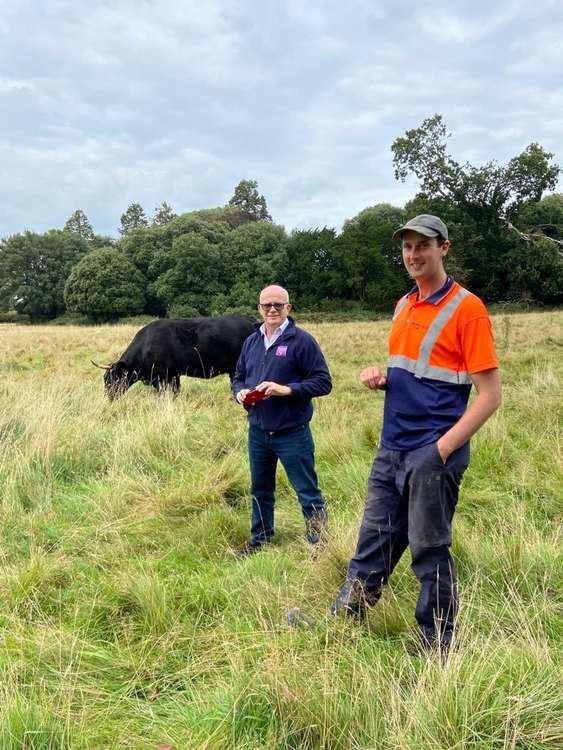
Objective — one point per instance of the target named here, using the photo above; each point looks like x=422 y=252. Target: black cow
x=165 y=349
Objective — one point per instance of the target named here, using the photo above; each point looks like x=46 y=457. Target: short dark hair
x=440 y=240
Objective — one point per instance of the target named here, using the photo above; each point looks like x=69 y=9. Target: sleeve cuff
x=492 y=364
x=295 y=388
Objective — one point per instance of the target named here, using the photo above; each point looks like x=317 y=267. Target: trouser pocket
x=433 y=489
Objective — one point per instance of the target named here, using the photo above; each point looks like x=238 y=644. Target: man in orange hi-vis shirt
x=441 y=343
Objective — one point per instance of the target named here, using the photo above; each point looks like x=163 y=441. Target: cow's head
x=117 y=378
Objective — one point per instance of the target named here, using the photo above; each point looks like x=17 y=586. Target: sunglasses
x=278 y=306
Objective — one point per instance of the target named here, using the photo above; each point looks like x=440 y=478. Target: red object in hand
x=253 y=396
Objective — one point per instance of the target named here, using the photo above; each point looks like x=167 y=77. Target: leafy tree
x=241 y=297
x=371 y=264
x=209 y=267
x=148 y=249
x=163 y=215
x=311 y=273
x=537 y=258
x=254 y=256
x=78 y=224
x=537 y=272
x=101 y=240
x=490 y=193
x=151 y=249
x=249 y=202
x=34 y=269
x=488 y=199
x=105 y=285
x=232 y=216
x=133 y=218
x=196 y=275
x=205 y=223
x=544 y=217
x=155 y=252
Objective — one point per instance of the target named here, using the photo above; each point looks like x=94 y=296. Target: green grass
x=125 y=621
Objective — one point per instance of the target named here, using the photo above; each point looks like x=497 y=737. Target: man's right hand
x=241 y=395
x=373 y=378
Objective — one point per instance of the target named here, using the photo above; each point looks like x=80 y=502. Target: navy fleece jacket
x=295 y=360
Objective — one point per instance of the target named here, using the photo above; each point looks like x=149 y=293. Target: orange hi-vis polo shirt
x=434 y=346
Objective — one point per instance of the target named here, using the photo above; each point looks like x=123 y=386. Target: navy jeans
x=296 y=451
x=411 y=502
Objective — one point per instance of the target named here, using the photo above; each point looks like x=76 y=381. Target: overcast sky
x=107 y=103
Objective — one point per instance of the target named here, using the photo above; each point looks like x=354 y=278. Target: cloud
x=539 y=56
x=462 y=28
x=105 y=104
x=8 y=85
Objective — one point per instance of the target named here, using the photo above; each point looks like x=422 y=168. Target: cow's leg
x=175 y=384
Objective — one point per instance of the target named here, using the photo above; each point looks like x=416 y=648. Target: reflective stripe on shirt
x=421 y=367
x=400 y=304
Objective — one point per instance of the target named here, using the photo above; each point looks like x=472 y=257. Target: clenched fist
x=373 y=378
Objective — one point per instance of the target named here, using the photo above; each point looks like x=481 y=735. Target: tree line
x=507 y=246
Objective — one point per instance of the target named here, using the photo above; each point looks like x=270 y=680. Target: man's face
x=272 y=316
x=422 y=256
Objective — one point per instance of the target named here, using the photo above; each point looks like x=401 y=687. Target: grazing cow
x=165 y=349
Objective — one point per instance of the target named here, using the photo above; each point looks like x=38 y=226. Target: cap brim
x=415 y=228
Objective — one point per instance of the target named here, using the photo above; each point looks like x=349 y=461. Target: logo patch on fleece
x=281 y=351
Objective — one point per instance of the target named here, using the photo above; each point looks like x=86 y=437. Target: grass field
x=125 y=621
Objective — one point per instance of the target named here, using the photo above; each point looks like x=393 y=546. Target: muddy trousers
x=411 y=502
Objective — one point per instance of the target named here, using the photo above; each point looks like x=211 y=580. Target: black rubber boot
x=353 y=599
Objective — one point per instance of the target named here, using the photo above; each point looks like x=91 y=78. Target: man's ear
x=445 y=247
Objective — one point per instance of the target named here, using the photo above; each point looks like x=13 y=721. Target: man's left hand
x=273 y=389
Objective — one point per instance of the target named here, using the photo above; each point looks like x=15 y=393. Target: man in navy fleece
x=286 y=364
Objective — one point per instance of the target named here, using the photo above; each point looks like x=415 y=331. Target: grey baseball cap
x=426 y=224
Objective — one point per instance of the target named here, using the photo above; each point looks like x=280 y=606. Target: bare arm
x=486 y=403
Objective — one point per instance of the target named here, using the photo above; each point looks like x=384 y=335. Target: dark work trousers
x=296 y=451
x=411 y=501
